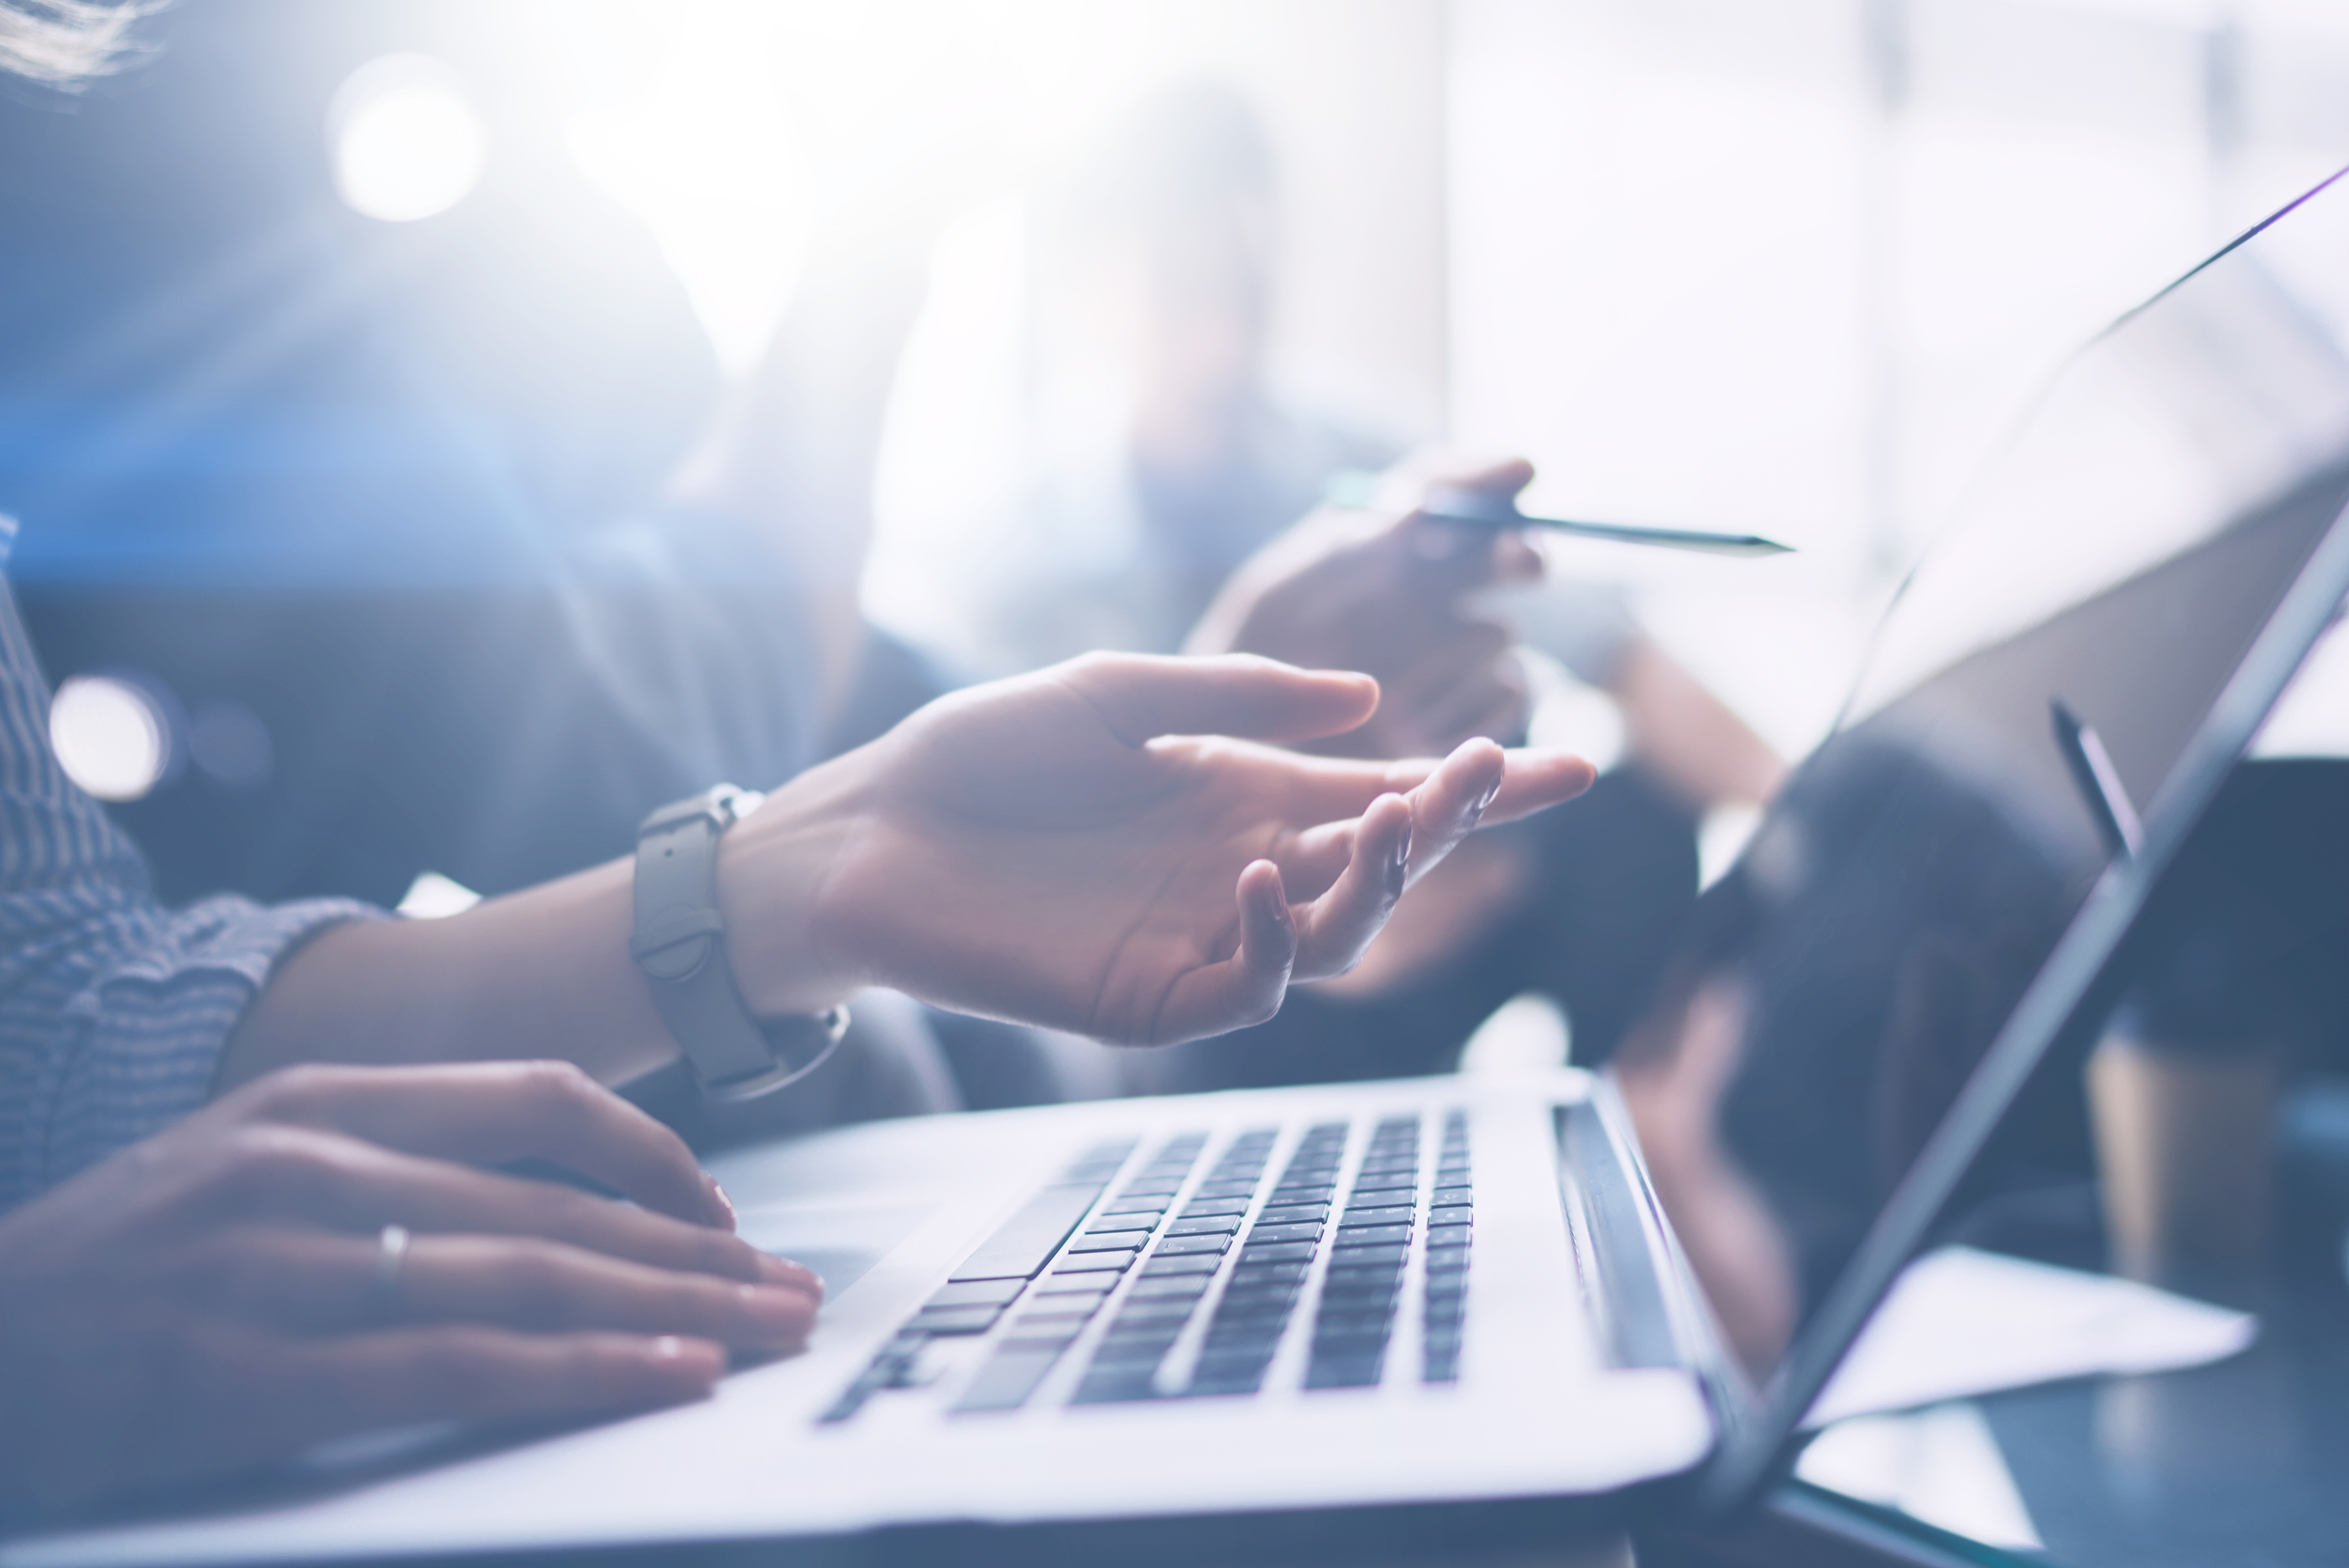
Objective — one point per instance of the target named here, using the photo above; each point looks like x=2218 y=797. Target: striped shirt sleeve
x=113 y=1010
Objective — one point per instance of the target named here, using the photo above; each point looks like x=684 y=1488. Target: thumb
x=1142 y=696
x=1444 y=559
x=1404 y=488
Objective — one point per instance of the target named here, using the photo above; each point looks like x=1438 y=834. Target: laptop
x=1383 y=1300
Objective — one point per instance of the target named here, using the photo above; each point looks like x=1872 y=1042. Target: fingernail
x=1476 y=811
x=717 y=1196
x=777 y=1314
x=783 y=1272
x=1400 y=865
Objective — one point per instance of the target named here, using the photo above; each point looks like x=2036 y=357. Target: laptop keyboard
x=1207 y=1270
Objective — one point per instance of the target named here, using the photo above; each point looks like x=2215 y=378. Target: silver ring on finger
x=391 y=1266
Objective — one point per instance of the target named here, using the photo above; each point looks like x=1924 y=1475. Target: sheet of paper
x=1940 y=1465
x=1962 y=1321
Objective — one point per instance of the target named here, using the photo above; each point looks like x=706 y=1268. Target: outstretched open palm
x=1090 y=849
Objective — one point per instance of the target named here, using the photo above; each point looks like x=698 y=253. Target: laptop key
x=1007 y=1379
x=1116 y=1241
x=957 y=1319
x=1276 y=1252
x=1167 y=1310
x=1048 y=1325
x=1025 y=1242
x=1209 y=1225
x=1209 y=1382
x=1163 y=1264
x=1092 y=1263
x=976 y=1292
x=1380 y=1302
x=1121 y=1387
x=1135 y=1228
x=1257 y=1309
x=1348 y=1372
x=1262 y=1235
x=1180 y=1246
x=1199 y=1208
x=1070 y=1290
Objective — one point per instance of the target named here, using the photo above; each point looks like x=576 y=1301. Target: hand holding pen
x=1490 y=509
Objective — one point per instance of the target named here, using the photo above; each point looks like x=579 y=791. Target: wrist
x=773 y=868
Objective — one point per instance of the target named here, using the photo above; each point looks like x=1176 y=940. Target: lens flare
x=406 y=140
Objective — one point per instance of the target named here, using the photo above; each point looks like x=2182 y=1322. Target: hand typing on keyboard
x=322 y=1253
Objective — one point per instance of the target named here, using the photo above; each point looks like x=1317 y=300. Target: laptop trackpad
x=840 y=1242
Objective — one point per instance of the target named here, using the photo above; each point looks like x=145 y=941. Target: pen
x=2098 y=782
x=1480 y=509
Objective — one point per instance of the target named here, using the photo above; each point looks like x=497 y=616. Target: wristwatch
x=680 y=942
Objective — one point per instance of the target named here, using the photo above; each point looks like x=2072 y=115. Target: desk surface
x=2243 y=1462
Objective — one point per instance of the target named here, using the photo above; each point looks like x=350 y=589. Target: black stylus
x=2098 y=782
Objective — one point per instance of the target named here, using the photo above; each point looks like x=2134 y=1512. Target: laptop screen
x=2035 y=693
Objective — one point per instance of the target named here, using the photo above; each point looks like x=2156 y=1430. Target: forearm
x=546 y=971
x=1689 y=738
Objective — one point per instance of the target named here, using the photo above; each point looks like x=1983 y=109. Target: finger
x=1452 y=559
x=525 y=1283
x=1331 y=790
x=319 y=1282
x=1311 y=862
x=1404 y=487
x=1140 y=697
x=309 y=1390
x=1517 y=560
x=341 y=1183
x=1246 y=988
x=1537 y=780
x=1449 y=805
x=1335 y=929
x=490 y=1113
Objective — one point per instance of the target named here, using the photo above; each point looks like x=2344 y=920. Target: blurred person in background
x=247 y=1214
x=1161 y=509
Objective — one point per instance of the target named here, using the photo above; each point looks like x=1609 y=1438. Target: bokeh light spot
x=111 y=738
x=230 y=743
x=406 y=140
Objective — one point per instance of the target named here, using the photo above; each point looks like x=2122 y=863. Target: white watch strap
x=680 y=942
